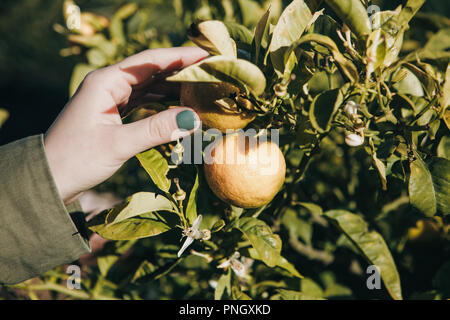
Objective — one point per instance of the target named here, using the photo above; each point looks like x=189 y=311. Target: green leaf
x=372 y=246
x=96 y=57
x=142 y=226
x=221 y=68
x=213 y=37
x=289 y=29
x=78 y=74
x=311 y=288
x=218 y=225
x=429 y=186
x=387 y=22
x=191 y=208
x=346 y=66
x=137 y=204
x=353 y=14
x=250 y=10
x=376 y=50
x=144 y=214
x=323 y=108
x=224 y=283
x=443 y=149
x=240 y=34
x=297 y=227
x=106 y=262
x=116 y=27
x=409 y=84
x=282 y=263
x=98 y=41
x=445 y=100
x=407 y=13
x=266 y=244
x=156 y=166
x=295 y=295
x=260 y=31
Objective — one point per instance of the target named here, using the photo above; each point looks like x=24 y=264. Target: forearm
x=37 y=232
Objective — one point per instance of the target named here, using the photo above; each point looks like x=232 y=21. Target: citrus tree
x=349 y=102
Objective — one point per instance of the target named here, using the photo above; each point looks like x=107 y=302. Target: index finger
x=148 y=63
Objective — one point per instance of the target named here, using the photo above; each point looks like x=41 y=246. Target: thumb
x=163 y=127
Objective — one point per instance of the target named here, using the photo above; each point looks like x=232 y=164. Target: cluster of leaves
x=319 y=77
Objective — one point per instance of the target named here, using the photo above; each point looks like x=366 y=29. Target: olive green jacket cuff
x=37 y=231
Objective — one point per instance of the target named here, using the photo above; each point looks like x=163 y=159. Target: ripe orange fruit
x=244 y=171
x=201 y=97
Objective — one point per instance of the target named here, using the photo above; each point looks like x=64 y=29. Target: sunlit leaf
x=137 y=204
x=191 y=208
x=156 y=166
x=221 y=68
x=290 y=27
x=429 y=186
x=372 y=246
x=266 y=244
x=240 y=34
x=353 y=14
x=212 y=36
x=145 y=225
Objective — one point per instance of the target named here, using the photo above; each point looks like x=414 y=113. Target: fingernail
x=186 y=120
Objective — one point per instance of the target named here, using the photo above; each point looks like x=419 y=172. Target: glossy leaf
x=213 y=36
x=429 y=186
x=240 y=34
x=408 y=12
x=224 y=283
x=289 y=29
x=323 y=108
x=145 y=225
x=353 y=14
x=221 y=68
x=282 y=263
x=372 y=246
x=266 y=244
x=258 y=39
x=156 y=166
x=386 y=21
x=191 y=208
x=347 y=67
x=409 y=85
x=137 y=204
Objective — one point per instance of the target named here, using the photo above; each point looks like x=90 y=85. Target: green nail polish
x=186 y=120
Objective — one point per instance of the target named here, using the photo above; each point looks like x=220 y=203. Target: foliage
x=362 y=107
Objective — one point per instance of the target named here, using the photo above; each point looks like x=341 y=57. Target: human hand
x=88 y=142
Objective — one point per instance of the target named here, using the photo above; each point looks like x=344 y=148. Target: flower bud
x=351 y=109
x=354 y=140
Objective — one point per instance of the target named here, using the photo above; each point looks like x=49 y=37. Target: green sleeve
x=37 y=232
